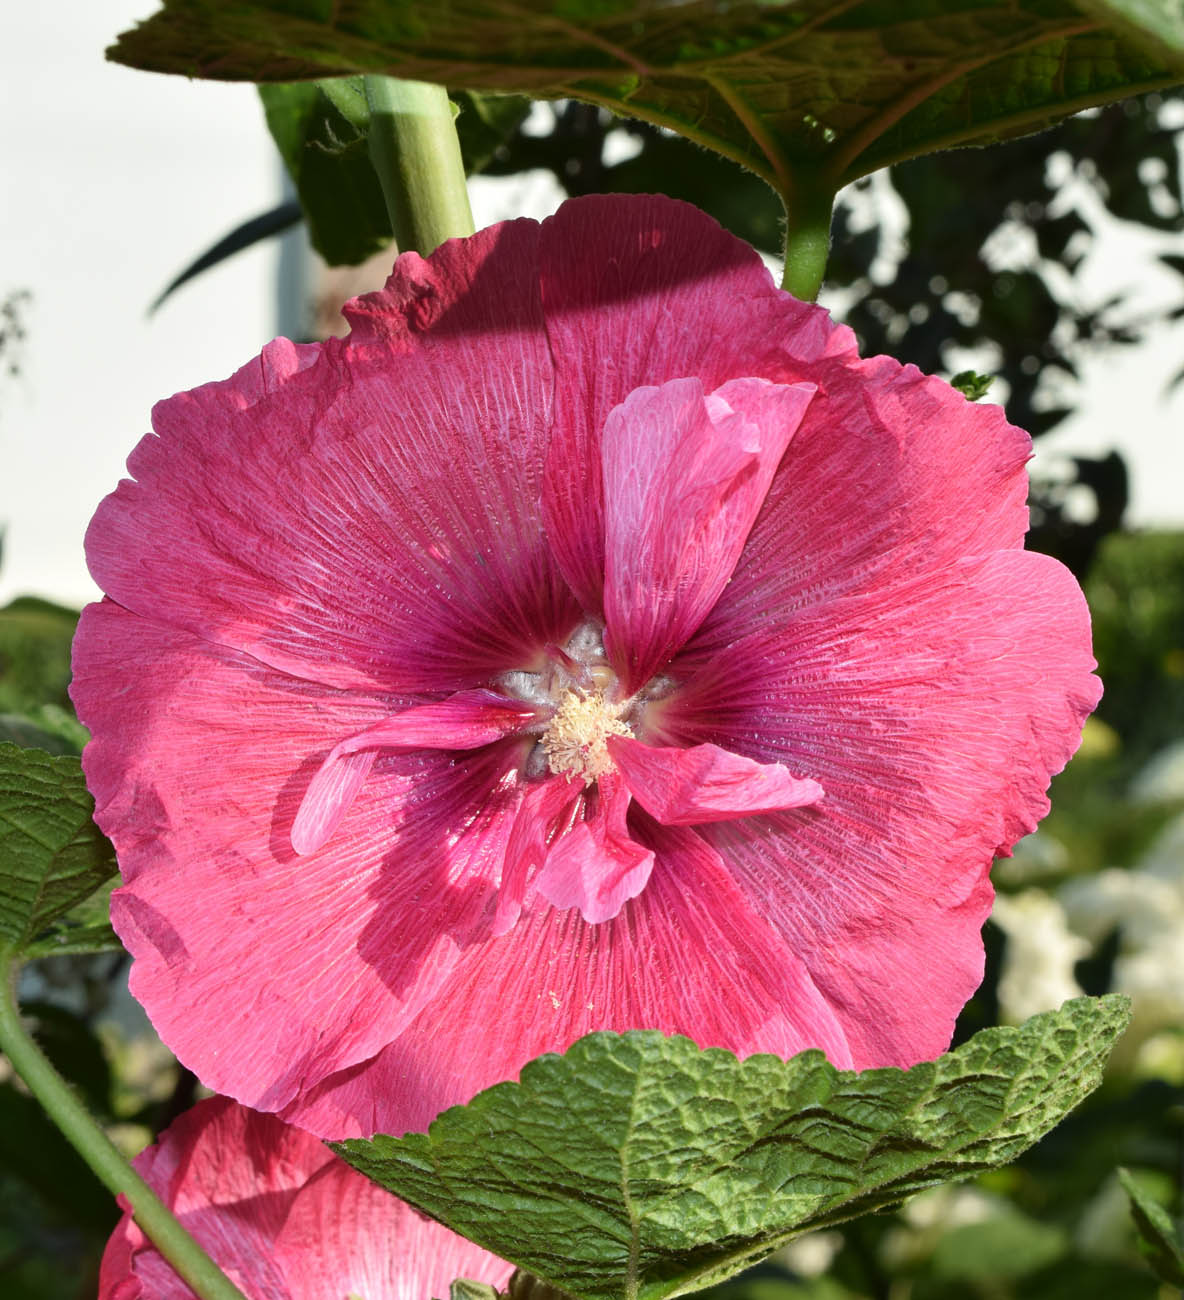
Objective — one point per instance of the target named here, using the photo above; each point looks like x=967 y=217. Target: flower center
x=576 y=741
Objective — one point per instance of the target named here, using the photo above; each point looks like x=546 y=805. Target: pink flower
x=590 y=641
x=284 y=1218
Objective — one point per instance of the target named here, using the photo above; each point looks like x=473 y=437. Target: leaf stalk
x=416 y=153
x=808 y=209
x=190 y=1261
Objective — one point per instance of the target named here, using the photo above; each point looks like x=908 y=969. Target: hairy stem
x=808 y=211
x=416 y=153
x=191 y=1262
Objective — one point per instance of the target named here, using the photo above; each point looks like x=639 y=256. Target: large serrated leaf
x=52 y=855
x=827 y=87
x=638 y=1166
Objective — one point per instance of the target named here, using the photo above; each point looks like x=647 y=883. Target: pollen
x=576 y=742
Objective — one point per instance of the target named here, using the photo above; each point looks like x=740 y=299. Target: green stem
x=807 y=236
x=51 y=1090
x=416 y=153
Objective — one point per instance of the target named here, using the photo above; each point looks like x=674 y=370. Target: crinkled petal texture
x=849 y=685
x=284 y=1218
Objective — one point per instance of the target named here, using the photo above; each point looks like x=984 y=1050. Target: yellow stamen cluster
x=576 y=742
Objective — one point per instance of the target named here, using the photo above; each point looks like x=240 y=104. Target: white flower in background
x=811 y=1255
x=1035 y=857
x=923 y=1220
x=1146 y=906
x=1162 y=780
x=1040 y=955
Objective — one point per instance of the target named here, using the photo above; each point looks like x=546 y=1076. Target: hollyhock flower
x=590 y=641
x=284 y=1219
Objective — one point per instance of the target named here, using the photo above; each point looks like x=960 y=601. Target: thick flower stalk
x=284 y=1218
x=590 y=641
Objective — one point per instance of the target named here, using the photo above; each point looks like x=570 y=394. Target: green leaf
x=1159 y=1239
x=36 y=1157
x=85 y=928
x=35 y=638
x=23 y=731
x=824 y=87
x=1159 y=24
x=320 y=129
x=1009 y=1244
x=52 y=855
x=638 y=1166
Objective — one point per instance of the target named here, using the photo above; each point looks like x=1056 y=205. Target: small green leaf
x=820 y=87
x=52 y=855
x=320 y=129
x=1159 y=1239
x=636 y=1166
x=972 y=386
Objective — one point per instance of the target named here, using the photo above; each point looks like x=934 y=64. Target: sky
x=115 y=179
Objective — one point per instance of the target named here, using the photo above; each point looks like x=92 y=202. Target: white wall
x=113 y=179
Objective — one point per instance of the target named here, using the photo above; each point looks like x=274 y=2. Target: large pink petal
x=466 y=720
x=638 y=290
x=362 y=513
x=685 y=473
x=284 y=1218
x=264 y=971
x=597 y=866
x=891 y=474
x=689 y=955
x=933 y=711
x=704 y=783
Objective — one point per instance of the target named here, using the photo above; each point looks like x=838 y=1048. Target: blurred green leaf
x=320 y=128
x=1159 y=1238
x=825 y=86
x=245 y=235
x=636 y=1165
x=34 y=1153
x=52 y=855
x=67 y=1039
x=1006 y=1245
x=16 y=730
x=35 y=638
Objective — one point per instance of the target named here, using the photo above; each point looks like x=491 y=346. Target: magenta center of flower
x=583 y=705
